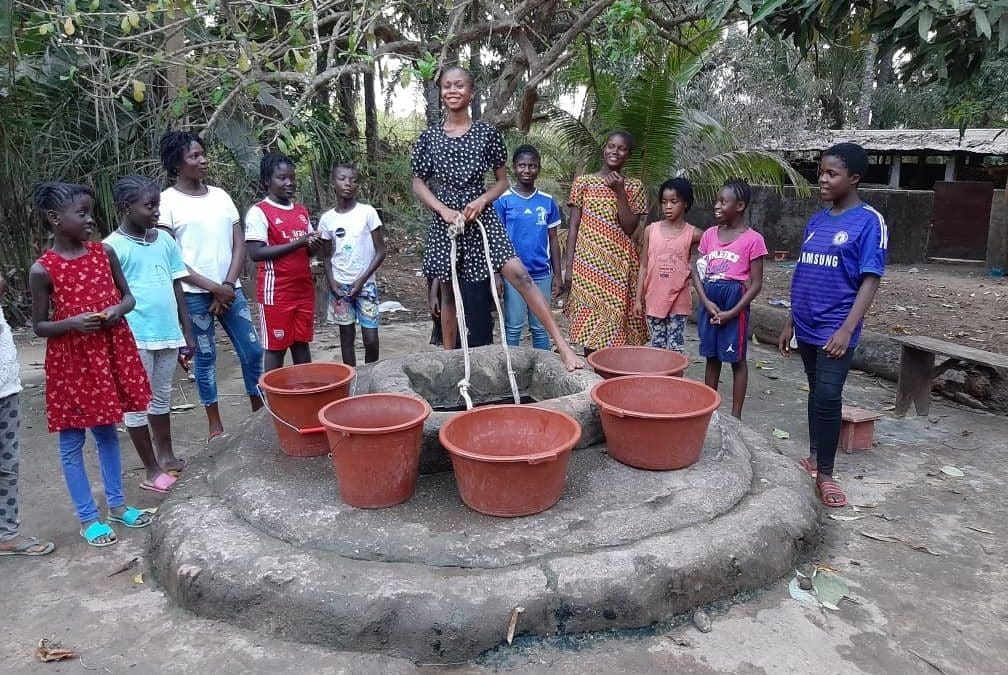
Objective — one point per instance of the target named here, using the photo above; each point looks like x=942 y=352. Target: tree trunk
x=867 y=83
x=174 y=43
x=432 y=96
x=885 y=76
x=476 y=67
x=347 y=103
x=370 y=117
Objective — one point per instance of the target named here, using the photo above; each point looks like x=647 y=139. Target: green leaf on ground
x=829 y=589
x=780 y=433
x=953 y=471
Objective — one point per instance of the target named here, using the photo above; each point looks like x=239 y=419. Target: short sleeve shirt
x=837 y=251
x=286 y=280
x=528 y=221
x=10 y=374
x=719 y=261
x=352 y=245
x=458 y=164
x=151 y=270
x=203 y=227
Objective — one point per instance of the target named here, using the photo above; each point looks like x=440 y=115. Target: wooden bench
x=918 y=370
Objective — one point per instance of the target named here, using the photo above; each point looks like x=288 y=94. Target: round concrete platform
x=255 y=538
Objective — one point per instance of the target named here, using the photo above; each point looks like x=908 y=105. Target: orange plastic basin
x=510 y=460
x=375 y=443
x=295 y=394
x=618 y=361
x=655 y=422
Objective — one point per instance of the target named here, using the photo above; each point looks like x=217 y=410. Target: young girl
x=279 y=237
x=532 y=219
x=93 y=372
x=457 y=155
x=602 y=261
x=727 y=276
x=838 y=272
x=152 y=265
x=206 y=225
x=663 y=287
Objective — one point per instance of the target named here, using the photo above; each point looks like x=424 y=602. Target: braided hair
x=740 y=189
x=174 y=145
x=55 y=195
x=270 y=162
x=130 y=189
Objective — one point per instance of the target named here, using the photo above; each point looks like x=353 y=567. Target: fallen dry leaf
x=50 y=650
x=513 y=623
x=893 y=539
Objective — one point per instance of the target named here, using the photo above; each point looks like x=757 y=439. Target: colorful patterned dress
x=604 y=276
x=91 y=378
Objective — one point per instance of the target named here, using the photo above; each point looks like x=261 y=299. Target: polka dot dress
x=458 y=166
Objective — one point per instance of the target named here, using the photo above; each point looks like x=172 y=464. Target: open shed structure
x=966 y=173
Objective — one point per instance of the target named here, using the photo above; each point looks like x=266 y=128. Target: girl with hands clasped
x=601 y=255
x=728 y=276
x=457 y=155
x=842 y=260
x=93 y=371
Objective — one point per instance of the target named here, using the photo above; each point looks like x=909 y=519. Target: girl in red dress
x=93 y=371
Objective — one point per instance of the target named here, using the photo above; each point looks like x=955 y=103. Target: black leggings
x=826 y=377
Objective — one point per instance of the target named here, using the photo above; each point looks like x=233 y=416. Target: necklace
x=132 y=237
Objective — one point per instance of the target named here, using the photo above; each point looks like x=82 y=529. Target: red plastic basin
x=510 y=460
x=619 y=361
x=655 y=422
x=295 y=394
x=375 y=443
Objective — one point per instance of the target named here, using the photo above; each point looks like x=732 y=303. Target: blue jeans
x=516 y=311
x=71 y=449
x=826 y=379
x=237 y=323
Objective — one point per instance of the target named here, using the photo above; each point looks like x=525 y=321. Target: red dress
x=91 y=378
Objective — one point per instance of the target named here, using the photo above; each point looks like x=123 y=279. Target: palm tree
x=671 y=138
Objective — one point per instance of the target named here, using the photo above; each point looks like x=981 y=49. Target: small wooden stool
x=857 y=430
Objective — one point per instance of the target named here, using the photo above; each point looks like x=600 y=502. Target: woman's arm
x=572 y=235
x=428 y=199
x=628 y=220
x=237 y=256
x=555 y=263
x=259 y=250
x=183 y=313
x=474 y=208
x=642 y=273
x=115 y=313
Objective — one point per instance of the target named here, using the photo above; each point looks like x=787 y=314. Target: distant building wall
x=782 y=220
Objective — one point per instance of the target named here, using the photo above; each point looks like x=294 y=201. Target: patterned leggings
x=667 y=333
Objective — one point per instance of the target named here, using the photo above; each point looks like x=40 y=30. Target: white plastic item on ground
x=391 y=306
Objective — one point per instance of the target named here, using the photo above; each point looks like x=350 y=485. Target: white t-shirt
x=352 y=246
x=10 y=374
x=203 y=228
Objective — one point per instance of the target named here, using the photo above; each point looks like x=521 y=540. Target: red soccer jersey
x=286 y=280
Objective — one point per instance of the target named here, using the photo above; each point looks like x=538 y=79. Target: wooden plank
x=960 y=352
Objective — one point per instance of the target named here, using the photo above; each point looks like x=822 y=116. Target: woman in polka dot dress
x=457 y=155
x=93 y=370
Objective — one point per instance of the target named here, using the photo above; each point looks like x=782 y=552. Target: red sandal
x=830 y=493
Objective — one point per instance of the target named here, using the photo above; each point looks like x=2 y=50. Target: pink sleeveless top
x=666 y=286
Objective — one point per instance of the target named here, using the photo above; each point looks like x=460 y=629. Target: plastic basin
x=619 y=361
x=295 y=394
x=655 y=422
x=375 y=444
x=510 y=460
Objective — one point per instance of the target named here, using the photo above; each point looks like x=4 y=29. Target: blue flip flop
x=132 y=517
x=96 y=530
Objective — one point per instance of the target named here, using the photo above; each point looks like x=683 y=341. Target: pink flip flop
x=807 y=465
x=162 y=484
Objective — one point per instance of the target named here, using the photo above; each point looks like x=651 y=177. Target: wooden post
x=894 y=171
x=950 y=168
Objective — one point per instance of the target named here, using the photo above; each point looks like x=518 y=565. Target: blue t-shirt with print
x=837 y=251
x=151 y=270
x=528 y=221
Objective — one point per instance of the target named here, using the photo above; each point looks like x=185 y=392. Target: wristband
x=229 y=283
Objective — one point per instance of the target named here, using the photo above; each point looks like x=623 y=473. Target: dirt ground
x=957 y=303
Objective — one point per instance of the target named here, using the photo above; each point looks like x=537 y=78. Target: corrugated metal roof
x=978 y=141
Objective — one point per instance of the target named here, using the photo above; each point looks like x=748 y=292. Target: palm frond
x=756 y=166
x=581 y=141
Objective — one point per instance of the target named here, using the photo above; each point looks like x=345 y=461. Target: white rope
x=455 y=230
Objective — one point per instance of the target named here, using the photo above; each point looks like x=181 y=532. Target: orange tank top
x=666 y=286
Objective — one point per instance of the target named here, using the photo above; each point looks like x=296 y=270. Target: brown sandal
x=830 y=493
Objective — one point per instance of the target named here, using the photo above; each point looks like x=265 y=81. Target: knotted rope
x=455 y=230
